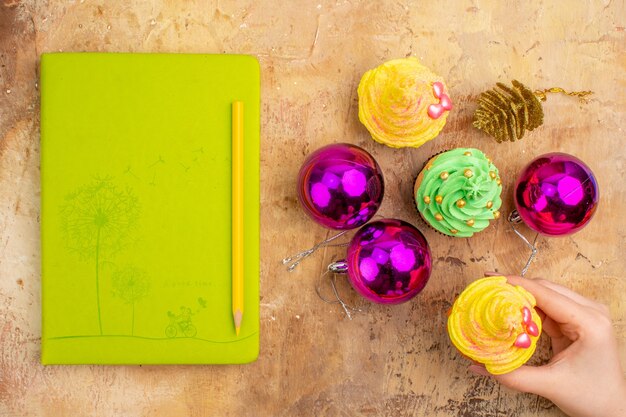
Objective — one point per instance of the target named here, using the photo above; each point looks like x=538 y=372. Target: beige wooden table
x=389 y=361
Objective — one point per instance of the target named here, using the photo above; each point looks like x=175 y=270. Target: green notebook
x=136 y=208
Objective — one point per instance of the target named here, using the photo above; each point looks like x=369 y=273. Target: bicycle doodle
x=181 y=324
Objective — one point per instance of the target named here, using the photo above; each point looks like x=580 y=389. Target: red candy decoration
x=435 y=111
x=522 y=341
x=526 y=316
x=532 y=329
x=445 y=104
x=437 y=89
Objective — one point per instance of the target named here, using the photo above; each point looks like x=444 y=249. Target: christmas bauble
x=340 y=186
x=556 y=194
x=388 y=261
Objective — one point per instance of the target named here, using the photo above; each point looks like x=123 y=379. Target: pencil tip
x=237 y=316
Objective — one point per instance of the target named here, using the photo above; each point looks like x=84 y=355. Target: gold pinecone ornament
x=505 y=113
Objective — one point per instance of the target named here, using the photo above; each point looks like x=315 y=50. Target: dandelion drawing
x=96 y=219
x=130 y=284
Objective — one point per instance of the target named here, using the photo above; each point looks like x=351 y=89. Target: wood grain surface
x=387 y=361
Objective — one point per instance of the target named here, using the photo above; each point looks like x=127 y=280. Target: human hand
x=584 y=377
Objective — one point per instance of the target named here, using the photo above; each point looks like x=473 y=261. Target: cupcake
x=458 y=192
x=495 y=323
x=402 y=103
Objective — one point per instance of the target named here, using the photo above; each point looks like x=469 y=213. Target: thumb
x=536 y=380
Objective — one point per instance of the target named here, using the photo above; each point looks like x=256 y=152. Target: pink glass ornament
x=556 y=194
x=388 y=261
x=340 y=186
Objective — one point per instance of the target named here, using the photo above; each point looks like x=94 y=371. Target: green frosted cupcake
x=458 y=192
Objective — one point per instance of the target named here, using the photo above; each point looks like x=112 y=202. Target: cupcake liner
x=416 y=186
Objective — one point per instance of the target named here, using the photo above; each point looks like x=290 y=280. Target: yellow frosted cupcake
x=495 y=323
x=402 y=103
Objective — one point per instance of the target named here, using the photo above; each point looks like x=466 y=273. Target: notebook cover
x=136 y=208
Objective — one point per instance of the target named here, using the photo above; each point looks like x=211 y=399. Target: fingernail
x=478 y=370
x=492 y=274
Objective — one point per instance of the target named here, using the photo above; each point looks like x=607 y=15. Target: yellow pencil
x=237 y=213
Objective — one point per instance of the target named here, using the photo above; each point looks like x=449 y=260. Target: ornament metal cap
x=338 y=267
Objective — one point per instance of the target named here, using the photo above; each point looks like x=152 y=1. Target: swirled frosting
x=458 y=192
x=403 y=103
x=495 y=323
